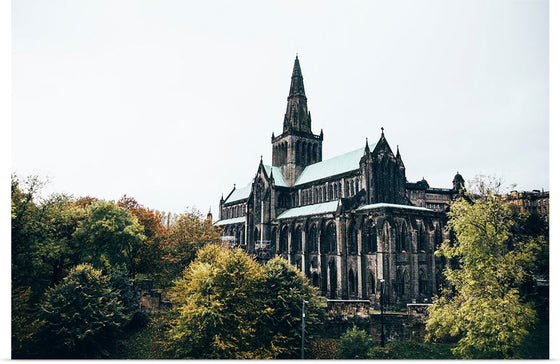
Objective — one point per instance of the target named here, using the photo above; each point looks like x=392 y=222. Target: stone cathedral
x=349 y=223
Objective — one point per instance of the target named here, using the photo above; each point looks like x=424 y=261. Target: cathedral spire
x=296 y=87
x=297 y=117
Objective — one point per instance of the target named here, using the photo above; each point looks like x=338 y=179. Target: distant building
x=530 y=201
x=348 y=223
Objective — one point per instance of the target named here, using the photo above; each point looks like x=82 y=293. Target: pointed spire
x=399 y=159
x=296 y=87
x=366 y=150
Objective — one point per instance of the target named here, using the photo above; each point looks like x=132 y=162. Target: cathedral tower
x=297 y=146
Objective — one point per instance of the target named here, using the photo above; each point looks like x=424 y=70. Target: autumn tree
x=482 y=308
x=150 y=249
x=186 y=234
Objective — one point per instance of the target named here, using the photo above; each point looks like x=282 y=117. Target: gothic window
x=296 y=240
x=371 y=283
x=283 y=240
x=352 y=283
x=352 y=239
x=399 y=284
x=273 y=238
x=422 y=282
x=315 y=154
x=402 y=239
x=369 y=237
x=312 y=239
x=328 y=239
x=256 y=235
x=332 y=279
x=422 y=238
x=438 y=236
x=315 y=280
x=357 y=185
x=346 y=189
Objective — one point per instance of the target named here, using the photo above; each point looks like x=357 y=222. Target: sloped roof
x=319 y=208
x=239 y=194
x=381 y=205
x=235 y=220
x=337 y=165
x=277 y=174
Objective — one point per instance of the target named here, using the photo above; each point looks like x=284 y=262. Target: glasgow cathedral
x=350 y=223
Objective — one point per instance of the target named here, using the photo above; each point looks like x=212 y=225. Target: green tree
x=355 y=344
x=285 y=290
x=110 y=235
x=217 y=304
x=482 y=308
x=81 y=317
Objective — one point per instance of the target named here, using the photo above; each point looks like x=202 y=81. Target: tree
x=81 y=317
x=355 y=344
x=187 y=233
x=110 y=235
x=482 y=307
x=226 y=305
x=217 y=304
x=285 y=290
x=149 y=250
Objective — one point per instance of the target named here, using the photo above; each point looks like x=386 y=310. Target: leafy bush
x=354 y=344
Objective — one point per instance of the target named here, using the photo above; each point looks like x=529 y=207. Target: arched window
x=369 y=237
x=315 y=280
x=352 y=283
x=371 y=284
x=332 y=279
x=312 y=239
x=422 y=238
x=352 y=239
x=273 y=238
x=402 y=239
x=296 y=240
x=438 y=236
x=422 y=282
x=256 y=235
x=328 y=239
x=284 y=240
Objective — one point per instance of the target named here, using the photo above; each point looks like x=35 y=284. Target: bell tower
x=297 y=146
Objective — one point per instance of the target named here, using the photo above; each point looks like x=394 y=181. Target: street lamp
x=381 y=283
x=303 y=326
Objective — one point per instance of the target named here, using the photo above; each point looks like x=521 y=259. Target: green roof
x=235 y=220
x=381 y=205
x=316 y=209
x=331 y=167
x=239 y=194
x=277 y=174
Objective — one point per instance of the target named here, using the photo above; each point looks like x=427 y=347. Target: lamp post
x=303 y=327
x=382 y=283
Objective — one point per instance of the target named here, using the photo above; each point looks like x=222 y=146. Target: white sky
x=172 y=102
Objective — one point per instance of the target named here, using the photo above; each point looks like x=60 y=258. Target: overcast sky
x=172 y=102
